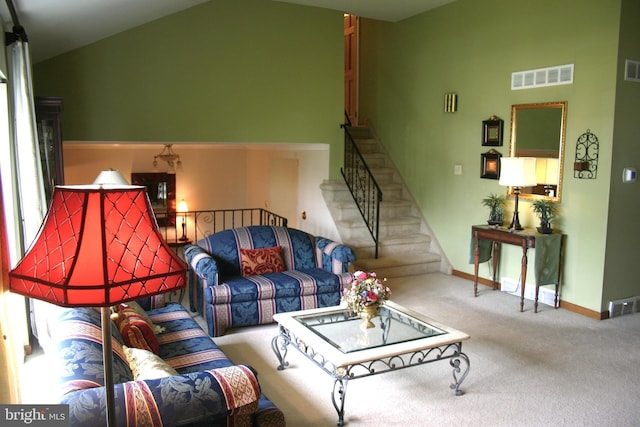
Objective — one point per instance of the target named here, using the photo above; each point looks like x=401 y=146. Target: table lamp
x=110 y=176
x=547 y=173
x=99 y=246
x=517 y=172
x=183 y=209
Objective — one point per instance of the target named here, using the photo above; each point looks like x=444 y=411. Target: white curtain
x=21 y=177
x=23 y=186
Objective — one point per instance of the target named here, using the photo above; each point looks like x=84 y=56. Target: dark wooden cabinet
x=48 y=111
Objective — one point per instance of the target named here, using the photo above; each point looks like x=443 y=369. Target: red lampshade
x=97 y=247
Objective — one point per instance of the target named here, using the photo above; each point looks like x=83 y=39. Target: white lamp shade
x=110 y=177
x=518 y=171
x=182 y=206
x=547 y=171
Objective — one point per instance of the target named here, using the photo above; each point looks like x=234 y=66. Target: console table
x=548 y=256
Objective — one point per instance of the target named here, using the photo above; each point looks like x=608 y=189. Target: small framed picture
x=492 y=130
x=490 y=164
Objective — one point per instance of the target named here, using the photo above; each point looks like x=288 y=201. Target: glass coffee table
x=340 y=345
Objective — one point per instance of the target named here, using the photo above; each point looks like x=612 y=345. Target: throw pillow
x=135 y=331
x=261 y=261
x=136 y=307
x=146 y=365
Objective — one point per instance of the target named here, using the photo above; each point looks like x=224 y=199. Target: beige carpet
x=553 y=368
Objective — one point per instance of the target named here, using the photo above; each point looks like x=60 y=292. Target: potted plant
x=546 y=212
x=495 y=204
x=364 y=294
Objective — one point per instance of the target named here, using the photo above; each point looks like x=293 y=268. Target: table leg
x=339 y=391
x=455 y=364
x=476 y=263
x=523 y=274
x=535 y=301
x=280 y=350
x=495 y=263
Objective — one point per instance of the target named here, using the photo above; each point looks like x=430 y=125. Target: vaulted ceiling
x=57 y=26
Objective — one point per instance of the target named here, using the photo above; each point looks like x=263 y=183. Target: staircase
x=406 y=245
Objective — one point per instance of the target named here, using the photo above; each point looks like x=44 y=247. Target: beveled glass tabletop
x=345 y=331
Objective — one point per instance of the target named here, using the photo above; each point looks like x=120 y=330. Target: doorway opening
x=351 y=68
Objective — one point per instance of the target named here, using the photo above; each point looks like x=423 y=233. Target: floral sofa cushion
x=208 y=390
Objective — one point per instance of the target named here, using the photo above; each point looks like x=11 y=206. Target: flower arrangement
x=363 y=290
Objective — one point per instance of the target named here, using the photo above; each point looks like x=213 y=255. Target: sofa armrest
x=202 y=263
x=333 y=256
x=176 y=400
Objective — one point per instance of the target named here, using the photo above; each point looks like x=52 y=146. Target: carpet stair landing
x=406 y=247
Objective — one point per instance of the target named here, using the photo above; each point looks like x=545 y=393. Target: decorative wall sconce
x=168 y=155
x=450 y=102
x=585 y=165
x=490 y=164
x=492 y=130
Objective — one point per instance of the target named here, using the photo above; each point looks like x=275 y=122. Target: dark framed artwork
x=161 y=189
x=492 y=131
x=490 y=164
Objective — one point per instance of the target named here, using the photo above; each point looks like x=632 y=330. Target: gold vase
x=368 y=313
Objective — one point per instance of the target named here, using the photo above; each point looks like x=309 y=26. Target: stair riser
x=375 y=160
x=360 y=132
x=356 y=232
x=391 y=211
x=383 y=177
x=392 y=192
x=337 y=195
x=405 y=270
x=367 y=146
x=384 y=251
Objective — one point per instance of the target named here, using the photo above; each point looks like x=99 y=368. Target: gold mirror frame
x=545 y=151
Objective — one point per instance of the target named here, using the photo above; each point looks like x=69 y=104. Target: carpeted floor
x=553 y=368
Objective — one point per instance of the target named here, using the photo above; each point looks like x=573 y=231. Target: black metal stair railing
x=200 y=224
x=363 y=187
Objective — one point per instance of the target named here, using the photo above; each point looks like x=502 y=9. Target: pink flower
x=361 y=275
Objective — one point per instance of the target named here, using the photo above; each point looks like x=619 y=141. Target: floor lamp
x=517 y=172
x=99 y=245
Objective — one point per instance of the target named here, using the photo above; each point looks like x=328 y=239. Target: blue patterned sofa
x=208 y=390
x=315 y=271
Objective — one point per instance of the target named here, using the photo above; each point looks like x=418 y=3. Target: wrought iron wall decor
x=586 y=163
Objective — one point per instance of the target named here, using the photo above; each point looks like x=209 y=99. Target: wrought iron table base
x=342 y=374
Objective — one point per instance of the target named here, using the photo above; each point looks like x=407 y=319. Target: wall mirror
x=538 y=130
x=161 y=188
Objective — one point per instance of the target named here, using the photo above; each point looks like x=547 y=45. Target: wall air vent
x=632 y=70
x=621 y=307
x=551 y=76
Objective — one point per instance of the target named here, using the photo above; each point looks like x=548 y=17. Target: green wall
x=471 y=47
x=623 y=233
x=224 y=71
x=264 y=71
